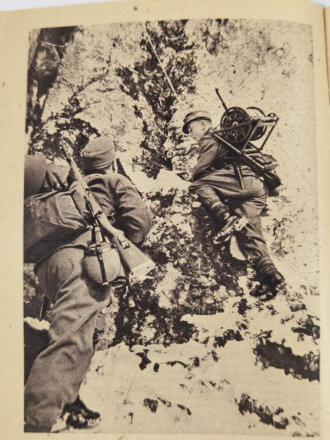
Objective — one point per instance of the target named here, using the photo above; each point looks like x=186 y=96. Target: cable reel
x=237 y=124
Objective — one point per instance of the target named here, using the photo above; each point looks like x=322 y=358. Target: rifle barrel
x=222 y=101
x=241 y=154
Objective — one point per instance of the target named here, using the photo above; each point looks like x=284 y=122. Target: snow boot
x=271 y=280
x=81 y=417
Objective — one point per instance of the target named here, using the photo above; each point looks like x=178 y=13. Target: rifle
x=271 y=179
x=136 y=264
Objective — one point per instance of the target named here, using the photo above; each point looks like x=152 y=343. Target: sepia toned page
x=194 y=350
x=327 y=36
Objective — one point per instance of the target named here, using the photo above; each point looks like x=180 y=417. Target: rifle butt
x=271 y=179
x=135 y=262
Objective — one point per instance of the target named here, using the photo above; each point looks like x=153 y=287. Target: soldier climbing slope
x=234 y=194
x=58 y=371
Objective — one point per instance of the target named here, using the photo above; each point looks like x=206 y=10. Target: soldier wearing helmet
x=58 y=371
x=41 y=176
x=233 y=194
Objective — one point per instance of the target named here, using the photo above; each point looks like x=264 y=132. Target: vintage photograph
x=171 y=276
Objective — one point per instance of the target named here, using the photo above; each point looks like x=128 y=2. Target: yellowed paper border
x=14 y=29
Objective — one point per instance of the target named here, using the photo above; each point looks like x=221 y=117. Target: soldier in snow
x=234 y=194
x=58 y=371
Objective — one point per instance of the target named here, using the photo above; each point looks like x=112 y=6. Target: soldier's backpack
x=52 y=219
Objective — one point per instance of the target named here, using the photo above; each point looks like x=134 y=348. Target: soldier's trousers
x=223 y=186
x=58 y=371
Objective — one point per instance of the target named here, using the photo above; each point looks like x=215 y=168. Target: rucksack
x=52 y=219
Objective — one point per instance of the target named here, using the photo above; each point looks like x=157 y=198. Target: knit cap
x=98 y=154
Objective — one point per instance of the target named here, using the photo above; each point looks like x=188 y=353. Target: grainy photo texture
x=183 y=121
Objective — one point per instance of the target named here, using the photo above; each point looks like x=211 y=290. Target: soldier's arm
x=132 y=214
x=207 y=153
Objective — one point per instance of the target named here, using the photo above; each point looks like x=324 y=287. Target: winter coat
x=120 y=200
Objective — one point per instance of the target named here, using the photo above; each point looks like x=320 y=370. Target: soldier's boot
x=228 y=223
x=81 y=417
x=270 y=278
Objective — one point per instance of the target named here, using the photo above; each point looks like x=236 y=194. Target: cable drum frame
x=254 y=128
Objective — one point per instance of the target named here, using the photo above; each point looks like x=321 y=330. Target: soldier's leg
x=212 y=191
x=57 y=373
x=209 y=198
x=251 y=240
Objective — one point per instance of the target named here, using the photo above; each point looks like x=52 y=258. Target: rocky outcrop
x=279 y=356
x=266 y=415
